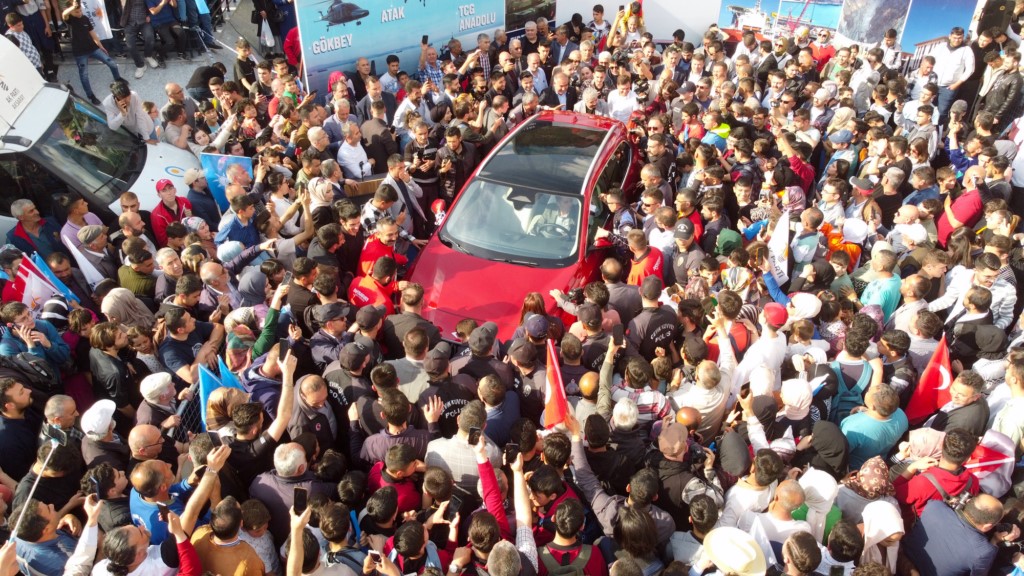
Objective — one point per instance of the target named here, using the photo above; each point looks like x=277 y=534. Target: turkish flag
x=987 y=459
x=932 y=390
x=555 y=404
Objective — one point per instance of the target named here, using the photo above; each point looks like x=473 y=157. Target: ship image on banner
x=334 y=33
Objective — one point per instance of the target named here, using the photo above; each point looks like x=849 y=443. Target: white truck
x=52 y=142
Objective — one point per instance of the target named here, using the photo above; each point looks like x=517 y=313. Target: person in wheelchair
x=560 y=219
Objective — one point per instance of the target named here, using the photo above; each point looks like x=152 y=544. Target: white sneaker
x=152 y=62
x=140 y=71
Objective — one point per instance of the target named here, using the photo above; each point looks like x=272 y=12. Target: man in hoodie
x=924 y=480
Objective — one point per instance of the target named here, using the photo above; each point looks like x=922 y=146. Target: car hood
x=163 y=161
x=458 y=286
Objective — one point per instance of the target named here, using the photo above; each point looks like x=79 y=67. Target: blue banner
x=208 y=382
x=334 y=33
x=215 y=166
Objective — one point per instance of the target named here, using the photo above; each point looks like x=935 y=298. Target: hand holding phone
x=165 y=512
x=474 y=436
x=454 y=505
x=373 y=554
x=300 y=500
x=618 y=335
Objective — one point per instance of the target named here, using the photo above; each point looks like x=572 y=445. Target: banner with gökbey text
x=334 y=33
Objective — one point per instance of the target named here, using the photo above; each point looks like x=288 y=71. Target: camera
x=575 y=296
x=697 y=456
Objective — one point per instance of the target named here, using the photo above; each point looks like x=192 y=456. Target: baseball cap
x=161 y=184
x=193 y=174
x=821 y=94
x=89 y=234
x=684 y=229
x=522 y=351
x=437 y=360
x=97 y=418
x=687 y=87
x=775 y=314
x=332 y=311
x=369 y=316
x=537 y=326
x=353 y=355
x=589 y=315
x=843 y=136
x=481 y=339
x=862 y=184
x=673 y=440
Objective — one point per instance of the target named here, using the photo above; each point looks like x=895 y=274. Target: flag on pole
x=92 y=275
x=208 y=382
x=778 y=249
x=61 y=287
x=555 y=404
x=932 y=391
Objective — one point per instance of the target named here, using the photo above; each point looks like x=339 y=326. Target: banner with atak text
x=334 y=33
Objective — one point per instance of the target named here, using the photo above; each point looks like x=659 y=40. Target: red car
x=525 y=220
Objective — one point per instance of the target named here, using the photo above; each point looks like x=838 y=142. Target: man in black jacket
x=1003 y=97
x=396 y=326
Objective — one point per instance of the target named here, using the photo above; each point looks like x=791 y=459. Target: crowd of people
x=738 y=405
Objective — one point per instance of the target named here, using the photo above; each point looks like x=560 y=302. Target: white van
x=52 y=142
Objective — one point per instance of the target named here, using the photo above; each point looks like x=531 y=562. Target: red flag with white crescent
x=932 y=391
x=556 y=406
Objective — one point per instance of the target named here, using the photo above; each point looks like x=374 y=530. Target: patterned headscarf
x=872 y=480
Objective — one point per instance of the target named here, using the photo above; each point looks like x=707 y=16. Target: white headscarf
x=796 y=398
x=881 y=520
x=321 y=193
x=820 y=490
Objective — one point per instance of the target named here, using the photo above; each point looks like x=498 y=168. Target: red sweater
x=566 y=554
x=373 y=250
x=541 y=532
x=408 y=496
x=915 y=493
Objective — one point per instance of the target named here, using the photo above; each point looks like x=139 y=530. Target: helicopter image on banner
x=342 y=13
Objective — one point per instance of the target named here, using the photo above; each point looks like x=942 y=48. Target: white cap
x=915 y=232
x=97 y=418
x=152 y=385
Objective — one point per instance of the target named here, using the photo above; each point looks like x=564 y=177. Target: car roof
x=552 y=151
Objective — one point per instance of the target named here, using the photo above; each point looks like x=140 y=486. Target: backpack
x=574 y=568
x=847 y=398
x=33 y=372
x=955 y=502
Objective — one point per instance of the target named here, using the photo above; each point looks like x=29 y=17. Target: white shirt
x=153 y=565
x=767 y=352
x=620 y=107
x=354 y=162
x=742 y=498
x=952 y=67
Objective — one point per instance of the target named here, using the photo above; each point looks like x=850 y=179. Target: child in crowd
x=255 y=531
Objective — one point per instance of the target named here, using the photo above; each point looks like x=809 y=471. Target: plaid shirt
x=432 y=72
x=651 y=404
x=24 y=42
x=371 y=215
x=137 y=12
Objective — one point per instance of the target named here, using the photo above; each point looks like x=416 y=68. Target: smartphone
x=454 y=505
x=165 y=512
x=283 y=345
x=216 y=440
x=95 y=487
x=424 y=39
x=56 y=433
x=200 y=471
x=622 y=7
x=287 y=278
x=511 y=452
x=300 y=500
x=474 y=436
x=375 y=556
x=617 y=334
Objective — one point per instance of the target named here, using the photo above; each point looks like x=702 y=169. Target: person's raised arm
x=189 y=563
x=80 y=562
x=604 y=382
x=285 y=404
x=215 y=461
x=491 y=491
x=521 y=493
x=296 y=553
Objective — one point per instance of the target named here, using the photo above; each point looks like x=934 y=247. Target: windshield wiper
x=513 y=261
x=451 y=243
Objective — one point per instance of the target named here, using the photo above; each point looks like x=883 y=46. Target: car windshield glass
x=546 y=156
x=87 y=153
x=515 y=224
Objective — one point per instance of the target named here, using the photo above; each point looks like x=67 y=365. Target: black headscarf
x=829 y=451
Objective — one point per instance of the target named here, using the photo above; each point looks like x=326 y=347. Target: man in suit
x=375 y=92
x=377 y=138
x=559 y=96
x=562 y=47
x=409 y=193
x=961 y=328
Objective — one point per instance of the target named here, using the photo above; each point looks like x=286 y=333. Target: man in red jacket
x=376 y=289
x=914 y=490
x=382 y=243
x=171 y=208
